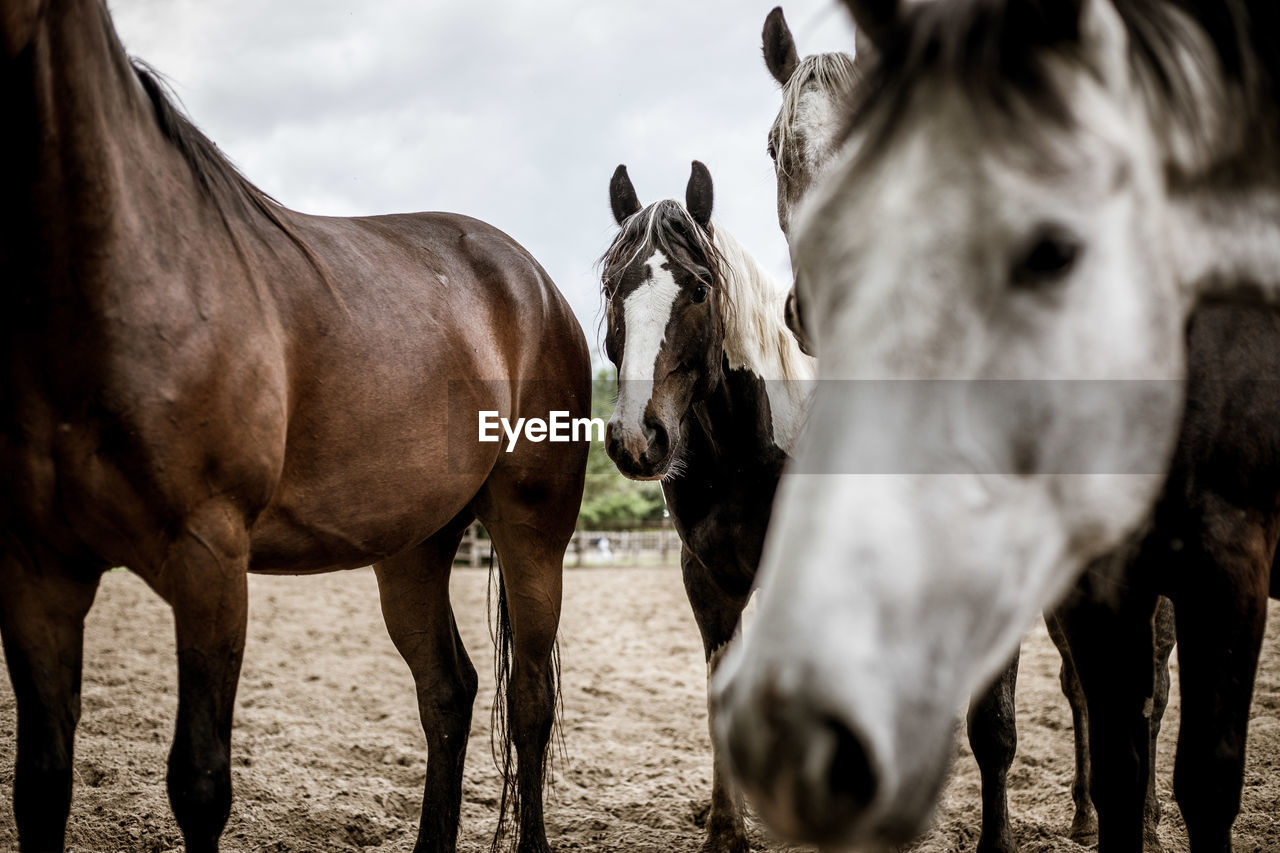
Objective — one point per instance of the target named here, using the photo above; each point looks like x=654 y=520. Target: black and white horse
x=712 y=394
x=1036 y=196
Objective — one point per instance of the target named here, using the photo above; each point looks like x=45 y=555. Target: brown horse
x=198 y=382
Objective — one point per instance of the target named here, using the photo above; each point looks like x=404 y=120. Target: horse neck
x=737 y=415
x=85 y=152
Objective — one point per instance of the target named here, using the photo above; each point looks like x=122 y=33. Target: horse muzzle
x=640 y=454
x=810 y=769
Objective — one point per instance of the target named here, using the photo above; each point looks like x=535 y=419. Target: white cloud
x=513 y=112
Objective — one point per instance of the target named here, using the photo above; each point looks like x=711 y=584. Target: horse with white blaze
x=1031 y=201
x=712 y=393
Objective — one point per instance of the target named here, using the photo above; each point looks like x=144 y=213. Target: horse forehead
x=915 y=188
x=653 y=287
x=1009 y=172
x=949 y=167
x=819 y=116
x=798 y=109
x=646 y=311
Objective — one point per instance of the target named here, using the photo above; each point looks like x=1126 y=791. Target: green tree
x=609 y=497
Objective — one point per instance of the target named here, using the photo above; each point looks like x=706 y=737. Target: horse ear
x=1101 y=32
x=698 y=195
x=876 y=18
x=622 y=195
x=779 y=48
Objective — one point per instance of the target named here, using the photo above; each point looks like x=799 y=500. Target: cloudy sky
x=512 y=111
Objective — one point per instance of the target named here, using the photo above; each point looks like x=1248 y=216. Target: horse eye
x=1050 y=257
x=773 y=152
x=700 y=293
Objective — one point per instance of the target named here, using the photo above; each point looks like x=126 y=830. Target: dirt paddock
x=329 y=756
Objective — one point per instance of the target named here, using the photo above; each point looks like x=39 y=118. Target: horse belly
x=327 y=534
x=364 y=479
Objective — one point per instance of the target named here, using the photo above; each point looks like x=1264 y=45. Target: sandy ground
x=329 y=756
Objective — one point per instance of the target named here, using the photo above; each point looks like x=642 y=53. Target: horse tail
x=501 y=745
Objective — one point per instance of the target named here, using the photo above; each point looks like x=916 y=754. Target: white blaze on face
x=645 y=312
x=820 y=117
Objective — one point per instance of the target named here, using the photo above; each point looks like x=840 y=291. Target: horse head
x=664 y=286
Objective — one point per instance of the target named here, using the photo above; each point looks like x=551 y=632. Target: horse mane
x=991 y=49
x=755 y=331
x=217 y=176
x=750 y=303
x=233 y=195
x=832 y=72
x=1242 y=34
x=995 y=51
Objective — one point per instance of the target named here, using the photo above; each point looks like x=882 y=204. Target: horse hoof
x=1002 y=844
x=533 y=844
x=1084 y=829
x=543 y=847
x=726 y=843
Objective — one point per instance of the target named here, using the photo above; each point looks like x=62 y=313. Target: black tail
x=500 y=743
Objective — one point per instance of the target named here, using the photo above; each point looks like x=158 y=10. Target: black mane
x=230 y=191
x=217 y=175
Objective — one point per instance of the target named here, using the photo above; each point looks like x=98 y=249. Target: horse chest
x=722 y=514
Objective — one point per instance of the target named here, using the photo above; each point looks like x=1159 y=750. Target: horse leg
x=414 y=588
x=204 y=580
x=1113 y=650
x=1084 y=825
x=531 y=520
x=1221 y=605
x=1164 y=639
x=717 y=612
x=993 y=737
x=43 y=603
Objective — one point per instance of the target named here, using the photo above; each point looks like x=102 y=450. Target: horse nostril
x=833 y=782
x=791 y=317
x=656 y=435
x=809 y=774
x=850 y=779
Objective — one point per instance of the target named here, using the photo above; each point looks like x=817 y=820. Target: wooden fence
x=591 y=548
